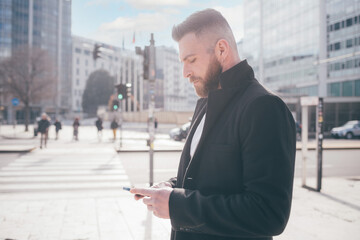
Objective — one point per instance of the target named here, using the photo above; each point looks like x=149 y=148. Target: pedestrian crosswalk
x=65 y=169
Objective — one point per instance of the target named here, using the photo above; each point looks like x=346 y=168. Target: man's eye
x=193 y=60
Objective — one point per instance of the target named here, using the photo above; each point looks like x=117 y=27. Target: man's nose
x=187 y=72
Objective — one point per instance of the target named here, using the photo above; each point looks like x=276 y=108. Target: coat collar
x=233 y=83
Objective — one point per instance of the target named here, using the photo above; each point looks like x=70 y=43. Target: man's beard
x=211 y=80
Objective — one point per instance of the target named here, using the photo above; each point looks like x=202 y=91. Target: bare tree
x=28 y=75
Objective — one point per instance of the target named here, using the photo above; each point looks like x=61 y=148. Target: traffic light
x=146 y=62
x=96 y=52
x=115 y=105
x=121 y=91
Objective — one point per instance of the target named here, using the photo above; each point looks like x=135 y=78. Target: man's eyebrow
x=187 y=56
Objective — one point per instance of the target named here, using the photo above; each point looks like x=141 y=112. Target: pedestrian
x=76 y=125
x=57 y=128
x=155 y=124
x=99 y=126
x=43 y=129
x=114 y=125
x=236 y=169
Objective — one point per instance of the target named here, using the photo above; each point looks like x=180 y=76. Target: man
x=236 y=170
x=43 y=128
x=99 y=127
x=114 y=126
x=58 y=127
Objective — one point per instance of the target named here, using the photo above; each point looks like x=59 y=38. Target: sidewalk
x=134 y=141
x=332 y=214
x=110 y=213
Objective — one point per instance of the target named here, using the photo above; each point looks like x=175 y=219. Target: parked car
x=180 y=133
x=349 y=130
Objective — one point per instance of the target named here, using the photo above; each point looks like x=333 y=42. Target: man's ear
x=222 y=50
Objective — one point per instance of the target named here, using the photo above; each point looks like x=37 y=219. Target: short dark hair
x=198 y=22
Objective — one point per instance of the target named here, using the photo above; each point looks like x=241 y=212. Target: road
x=336 y=163
x=90 y=164
x=72 y=190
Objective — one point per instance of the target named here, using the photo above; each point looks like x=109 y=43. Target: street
x=73 y=190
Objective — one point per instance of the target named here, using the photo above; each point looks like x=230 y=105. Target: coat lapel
x=233 y=84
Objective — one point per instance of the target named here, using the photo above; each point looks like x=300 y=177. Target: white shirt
x=197 y=135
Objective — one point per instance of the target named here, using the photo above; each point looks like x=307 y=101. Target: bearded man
x=236 y=170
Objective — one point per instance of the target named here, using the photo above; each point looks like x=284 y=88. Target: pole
x=152 y=105
x=319 y=142
x=304 y=137
x=120 y=123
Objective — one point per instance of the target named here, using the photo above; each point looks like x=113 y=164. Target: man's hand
x=159 y=185
x=156 y=199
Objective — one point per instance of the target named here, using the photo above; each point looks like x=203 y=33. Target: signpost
x=152 y=78
x=305 y=103
x=149 y=65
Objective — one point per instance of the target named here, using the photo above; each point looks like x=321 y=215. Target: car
x=349 y=130
x=180 y=133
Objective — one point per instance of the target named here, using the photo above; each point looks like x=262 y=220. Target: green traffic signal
x=115 y=107
x=120 y=96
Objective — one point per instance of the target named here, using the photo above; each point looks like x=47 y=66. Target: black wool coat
x=238 y=184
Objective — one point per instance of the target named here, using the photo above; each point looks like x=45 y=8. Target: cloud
x=100 y=2
x=142 y=25
x=142 y=22
x=152 y=4
x=235 y=18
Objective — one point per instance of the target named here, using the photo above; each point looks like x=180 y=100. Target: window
x=87 y=52
x=77 y=50
x=336 y=26
x=357 y=87
x=343 y=24
x=349 y=22
x=347 y=88
x=337 y=46
x=349 y=43
x=334 y=89
x=355 y=19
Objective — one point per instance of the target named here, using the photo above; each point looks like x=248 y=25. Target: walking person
x=236 y=169
x=76 y=125
x=114 y=125
x=57 y=128
x=99 y=126
x=43 y=129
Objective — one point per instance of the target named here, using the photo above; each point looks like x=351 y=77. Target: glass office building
x=293 y=45
x=5 y=28
x=44 y=24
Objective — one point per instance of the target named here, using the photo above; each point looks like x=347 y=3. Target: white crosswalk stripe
x=65 y=169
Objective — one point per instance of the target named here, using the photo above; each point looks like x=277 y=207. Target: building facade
x=124 y=65
x=291 y=46
x=173 y=91
x=44 y=24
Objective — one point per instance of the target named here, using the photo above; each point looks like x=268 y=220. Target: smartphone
x=128 y=189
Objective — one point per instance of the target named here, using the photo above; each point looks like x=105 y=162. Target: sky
x=119 y=22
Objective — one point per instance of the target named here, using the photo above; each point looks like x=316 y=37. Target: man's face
x=200 y=64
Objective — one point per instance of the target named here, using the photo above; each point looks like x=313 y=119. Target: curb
x=9 y=150
x=16 y=138
x=331 y=148
x=145 y=150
